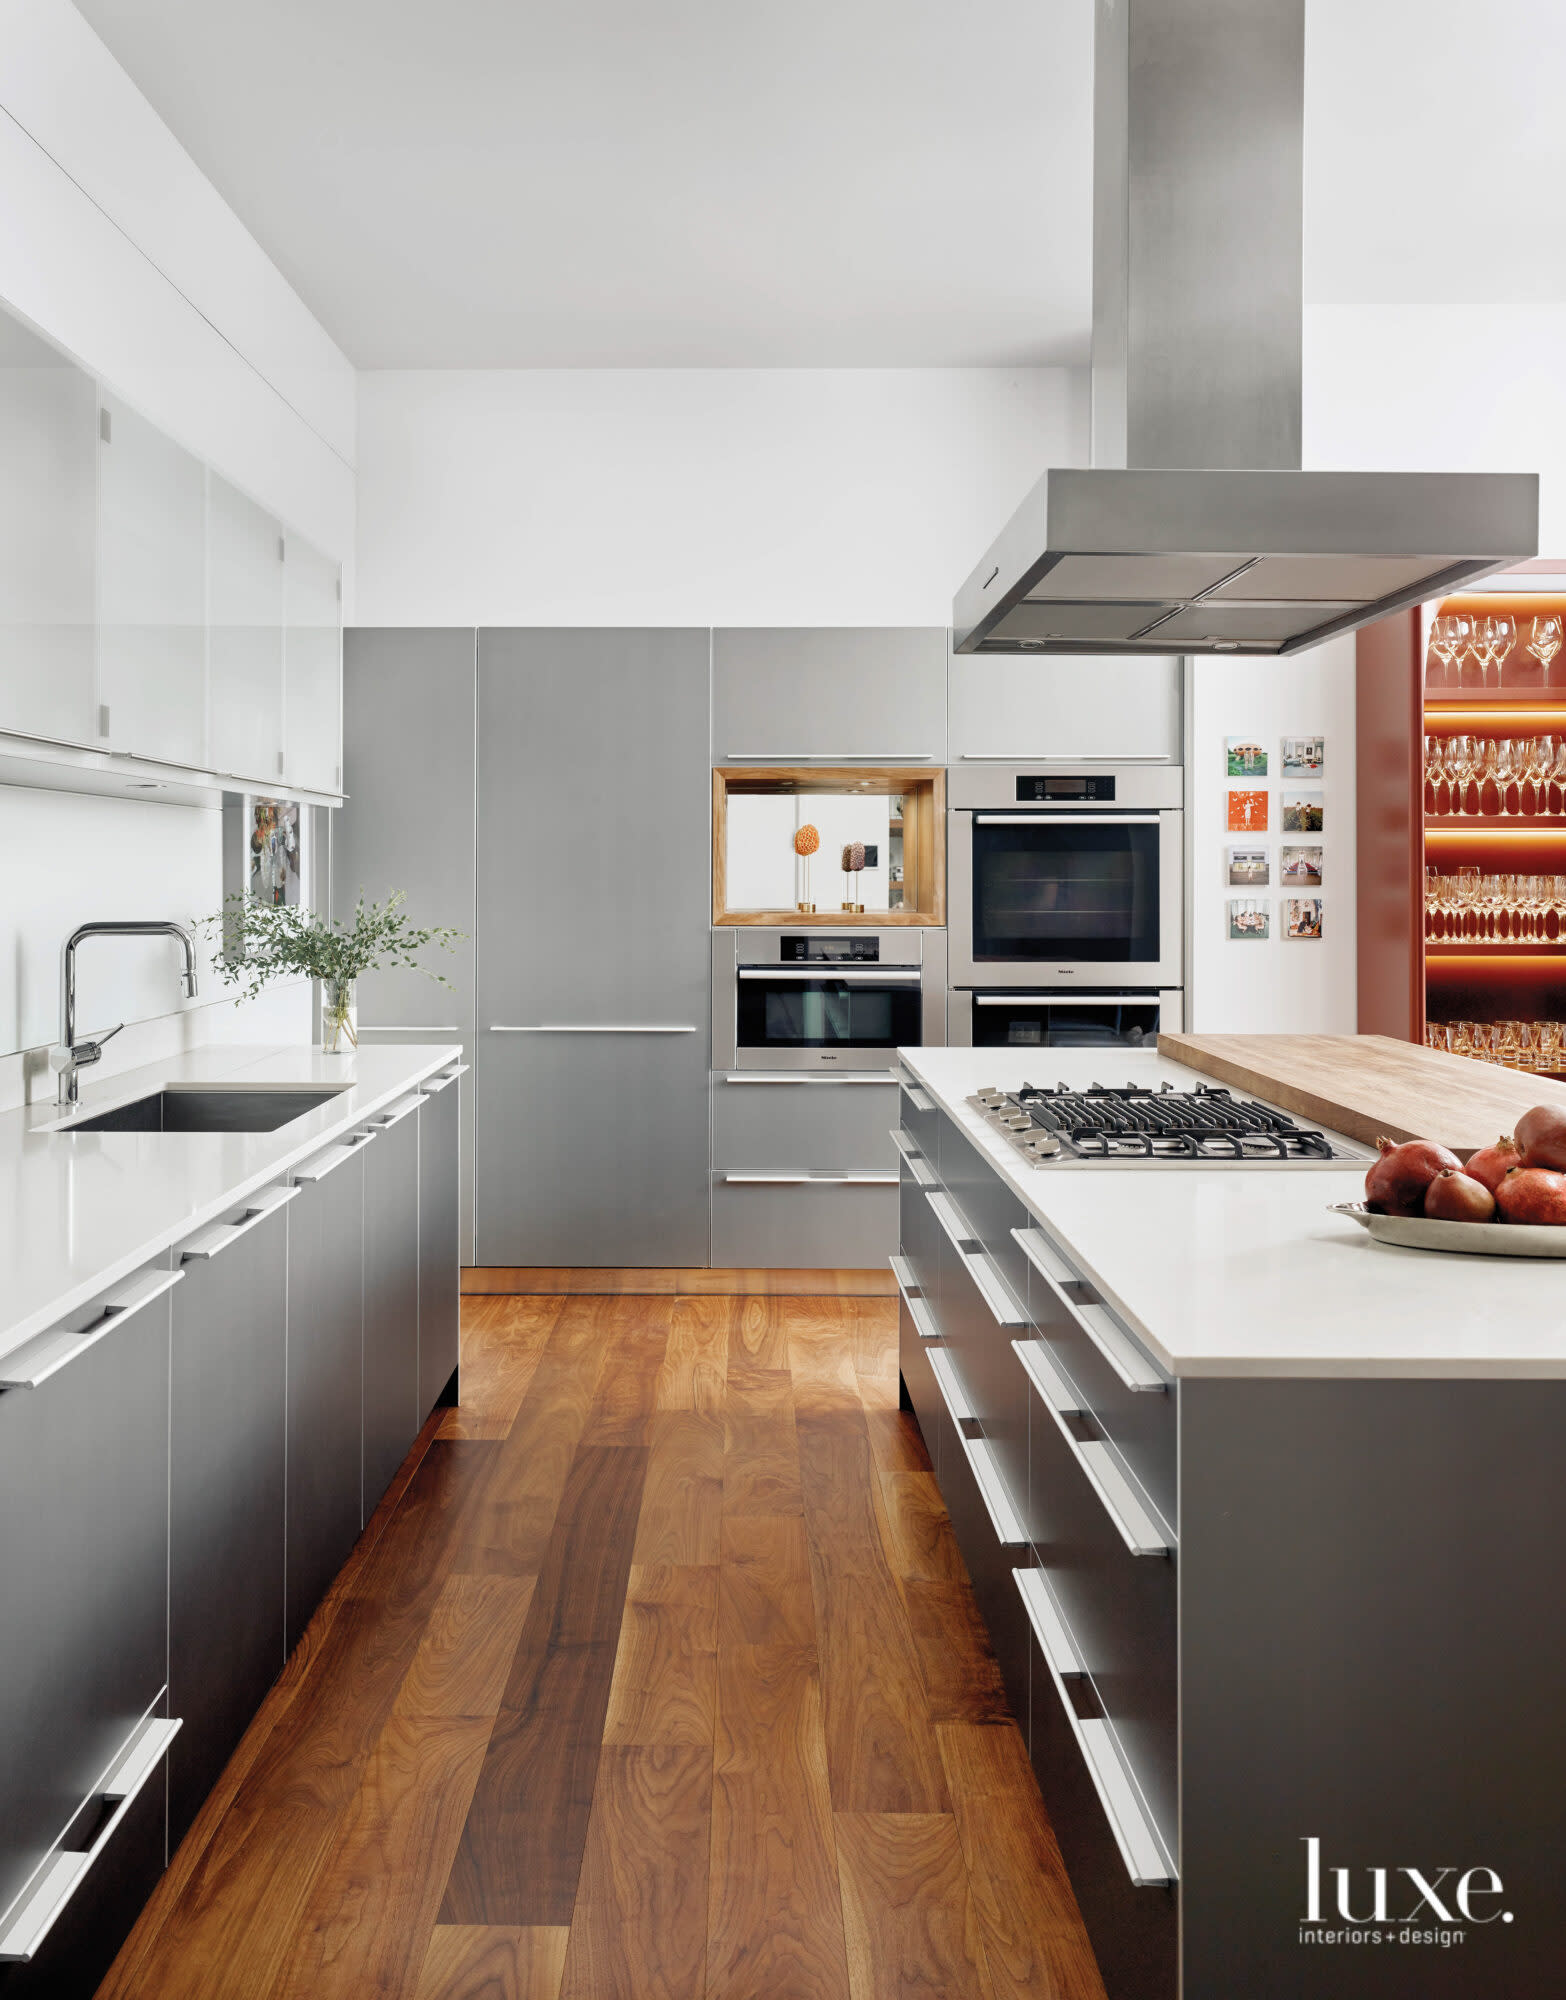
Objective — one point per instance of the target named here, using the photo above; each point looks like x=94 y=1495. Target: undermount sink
x=194 y=1108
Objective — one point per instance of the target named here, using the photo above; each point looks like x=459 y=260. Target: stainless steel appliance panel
x=840 y=1000
x=1023 y=1019
x=790 y=1120
x=803 y=1222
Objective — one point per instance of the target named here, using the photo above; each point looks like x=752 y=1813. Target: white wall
x=694 y=496
x=1281 y=985
x=113 y=245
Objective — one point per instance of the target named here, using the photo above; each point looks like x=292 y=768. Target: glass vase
x=339 y=1016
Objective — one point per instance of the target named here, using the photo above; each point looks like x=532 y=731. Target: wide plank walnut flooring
x=657 y=1676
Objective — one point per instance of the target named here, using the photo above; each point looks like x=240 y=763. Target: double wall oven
x=1066 y=903
x=825 y=999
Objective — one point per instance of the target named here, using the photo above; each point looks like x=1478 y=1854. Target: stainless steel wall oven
x=833 y=999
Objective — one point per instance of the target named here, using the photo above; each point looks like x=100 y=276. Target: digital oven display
x=1035 y=790
x=829 y=950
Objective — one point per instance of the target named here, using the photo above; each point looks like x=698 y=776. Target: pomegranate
x=1491 y=1164
x=1532 y=1194
x=1541 y=1133
x=1397 y=1181
x=1459 y=1198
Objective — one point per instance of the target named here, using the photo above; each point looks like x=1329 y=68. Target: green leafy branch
x=259 y=942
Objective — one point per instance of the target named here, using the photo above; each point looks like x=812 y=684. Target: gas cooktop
x=1144 y=1125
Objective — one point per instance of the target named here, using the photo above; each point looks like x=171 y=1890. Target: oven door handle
x=889 y=976
x=1059 y=818
x=1065 y=999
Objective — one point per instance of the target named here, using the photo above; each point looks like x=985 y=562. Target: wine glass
x=1544 y=641
x=1445 y=643
x=1503 y=636
x=1460 y=762
x=1541 y=758
x=1492 y=773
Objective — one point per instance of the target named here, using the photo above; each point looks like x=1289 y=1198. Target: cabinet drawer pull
x=917 y=1098
x=62 y=1875
x=31 y=1365
x=914 y=1299
x=812 y=1180
x=1004 y=1518
x=329 y=1161
x=832 y=756
x=394 y=1115
x=1122 y=1354
x=224 y=1235
x=992 y=1288
x=594 y=1028
x=1141 y=1849
x=766 y=1076
x=918 y=1166
x=410 y=1027
x=1132 y=1519
x=432 y=1086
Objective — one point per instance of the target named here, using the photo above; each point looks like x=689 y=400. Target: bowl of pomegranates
x=1506 y=1200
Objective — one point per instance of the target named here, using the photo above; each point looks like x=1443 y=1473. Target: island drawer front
x=920 y=1118
x=913 y=1361
x=992 y=1378
x=919 y=1234
x=990 y=1209
x=84 y=1495
x=1121 y=1610
x=809 y=1222
x=989 y=1563
x=773 y=1118
x=1142 y=1426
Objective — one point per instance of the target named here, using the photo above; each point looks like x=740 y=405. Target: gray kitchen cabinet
x=780 y=1119
x=391 y=1296
x=409 y=823
x=439 y=1278
x=48 y=510
x=325 y=1376
x=312 y=668
x=84 y=1469
x=823 y=692
x=803 y=1221
x=245 y=636
x=152 y=664
x=594 y=904
x=1010 y=709
x=228 y=1450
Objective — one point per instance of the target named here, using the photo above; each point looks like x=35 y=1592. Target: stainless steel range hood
x=1196 y=531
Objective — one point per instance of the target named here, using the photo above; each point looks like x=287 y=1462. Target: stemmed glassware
x=1544 y=641
x=1448 y=643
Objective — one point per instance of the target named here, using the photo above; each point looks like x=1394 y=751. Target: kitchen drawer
x=84 y=1469
x=773 y=1118
x=1120 y=1608
x=919 y=1117
x=913 y=1361
x=919 y=1234
x=990 y=1209
x=803 y=1221
x=1131 y=1400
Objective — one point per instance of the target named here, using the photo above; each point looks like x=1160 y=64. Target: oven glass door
x=1068 y=888
x=822 y=1009
x=1085 y=1021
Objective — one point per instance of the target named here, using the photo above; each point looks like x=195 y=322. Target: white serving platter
x=1470 y=1239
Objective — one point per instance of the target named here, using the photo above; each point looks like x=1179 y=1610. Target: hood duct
x=1196 y=531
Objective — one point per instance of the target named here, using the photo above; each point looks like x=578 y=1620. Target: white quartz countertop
x=1233 y=1271
x=79 y=1211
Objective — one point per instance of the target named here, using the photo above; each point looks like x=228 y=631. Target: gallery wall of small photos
x=1276 y=822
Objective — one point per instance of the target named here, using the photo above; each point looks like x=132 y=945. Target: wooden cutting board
x=1367 y=1085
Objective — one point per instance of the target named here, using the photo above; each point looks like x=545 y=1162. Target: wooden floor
x=657 y=1676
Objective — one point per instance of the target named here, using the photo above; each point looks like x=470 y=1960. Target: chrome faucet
x=72 y=1056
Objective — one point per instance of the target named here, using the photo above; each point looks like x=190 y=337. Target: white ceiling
x=500 y=183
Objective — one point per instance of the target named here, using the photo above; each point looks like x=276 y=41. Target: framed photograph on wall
x=264 y=848
x=1300 y=868
x=1302 y=917
x=1304 y=756
x=1249 y=920
x=1244 y=757
x=1303 y=809
x=1247 y=812
x=1249 y=867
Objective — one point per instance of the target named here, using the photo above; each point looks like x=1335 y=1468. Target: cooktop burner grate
x=1138 y=1122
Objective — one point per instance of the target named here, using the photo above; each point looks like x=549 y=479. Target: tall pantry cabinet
x=593 y=900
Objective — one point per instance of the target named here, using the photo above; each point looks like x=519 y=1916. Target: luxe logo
x=1436 y=1897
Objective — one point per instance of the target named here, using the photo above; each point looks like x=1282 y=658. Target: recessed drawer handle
x=1004 y=1518
x=433 y=1085
x=917 y=1098
x=918 y=1166
x=1123 y=1356
x=767 y=1076
x=62 y=1875
x=31 y=1365
x=992 y=1288
x=593 y=1028
x=1141 y=1849
x=224 y=1235
x=394 y=1115
x=914 y=1299
x=1133 y=1520
x=812 y=1180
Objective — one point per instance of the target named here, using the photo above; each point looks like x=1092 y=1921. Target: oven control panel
x=829 y=950
x=1036 y=788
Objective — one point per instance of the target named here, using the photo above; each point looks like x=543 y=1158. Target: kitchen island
x=1261 y=1515
x=216 y=1349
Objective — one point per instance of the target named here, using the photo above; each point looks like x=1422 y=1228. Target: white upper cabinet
x=245 y=635
x=152 y=642
x=1064 y=707
x=312 y=669
x=48 y=504
x=822 y=693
